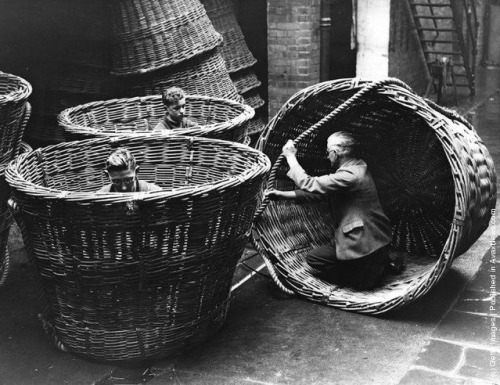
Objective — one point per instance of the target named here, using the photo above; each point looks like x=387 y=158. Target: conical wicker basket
x=140 y=275
x=218 y=118
x=234 y=49
x=204 y=74
x=14 y=113
x=149 y=35
x=435 y=178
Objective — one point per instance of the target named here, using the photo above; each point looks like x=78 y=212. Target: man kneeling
x=122 y=169
x=358 y=256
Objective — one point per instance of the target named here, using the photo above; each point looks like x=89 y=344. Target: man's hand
x=276 y=195
x=289 y=149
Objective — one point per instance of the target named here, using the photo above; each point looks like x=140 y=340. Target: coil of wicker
x=435 y=179
x=204 y=74
x=139 y=275
x=149 y=35
x=218 y=118
x=14 y=113
x=234 y=49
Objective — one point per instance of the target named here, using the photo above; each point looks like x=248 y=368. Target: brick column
x=293 y=48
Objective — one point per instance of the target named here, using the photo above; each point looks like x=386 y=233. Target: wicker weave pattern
x=205 y=74
x=253 y=99
x=234 y=48
x=245 y=80
x=435 y=179
x=218 y=118
x=136 y=276
x=256 y=125
x=5 y=222
x=152 y=36
x=14 y=113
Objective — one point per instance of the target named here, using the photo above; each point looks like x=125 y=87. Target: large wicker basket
x=154 y=34
x=139 y=275
x=14 y=113
x=204 y=74
x=234 y=48
x=435 y=178
x=218 y=118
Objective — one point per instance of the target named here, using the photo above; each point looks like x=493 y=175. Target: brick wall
x=406 y=60
x=293 y=48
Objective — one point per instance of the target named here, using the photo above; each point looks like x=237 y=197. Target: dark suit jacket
x=360 y=225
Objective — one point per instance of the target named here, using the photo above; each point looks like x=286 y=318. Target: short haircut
x=121 y=159
x=346 y=141
x=172 y=95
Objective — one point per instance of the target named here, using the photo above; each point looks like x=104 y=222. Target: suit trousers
x=363 y=273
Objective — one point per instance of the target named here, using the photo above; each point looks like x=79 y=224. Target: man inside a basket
x=174 y=100
x=122 y=169
x=359 y=255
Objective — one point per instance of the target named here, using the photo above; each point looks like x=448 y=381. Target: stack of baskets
x=73 y=71
x=239 y=60
x=14 y=115
x=159 y=44
x=435 y=179
x=143 y=275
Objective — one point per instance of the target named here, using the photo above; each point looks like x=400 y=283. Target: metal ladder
x=447 y=30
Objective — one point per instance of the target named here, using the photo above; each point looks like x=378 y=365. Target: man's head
x=340 y=145
x=122 y=170
x=174 y=100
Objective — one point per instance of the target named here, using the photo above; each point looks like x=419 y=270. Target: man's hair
x=346 y=141
x=121 y=159
x=172 y=95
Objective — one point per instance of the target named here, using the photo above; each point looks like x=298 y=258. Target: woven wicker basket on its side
x=218 y=118
x=140 y=275
x=14 y=113
x=204 y=74
x=149 y=35
x=435 y=179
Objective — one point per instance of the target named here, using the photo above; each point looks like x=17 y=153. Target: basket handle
x=315 y=127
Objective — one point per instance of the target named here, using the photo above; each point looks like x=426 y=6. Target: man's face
x=176 y=110
x=124 y=180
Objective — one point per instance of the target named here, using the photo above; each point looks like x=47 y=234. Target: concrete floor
x=271 y=338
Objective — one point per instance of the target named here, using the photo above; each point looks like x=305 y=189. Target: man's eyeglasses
x=126 y=181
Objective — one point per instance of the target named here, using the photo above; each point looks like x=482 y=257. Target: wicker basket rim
x=64 y=117
x=163 y=26
x=17 y=182
x=22 y=92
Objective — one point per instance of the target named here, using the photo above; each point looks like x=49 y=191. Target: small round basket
x=435 y=178
x=204 y=74
x=149 y=35
x=14 y=113
x=218 y=118
x=136 y=276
